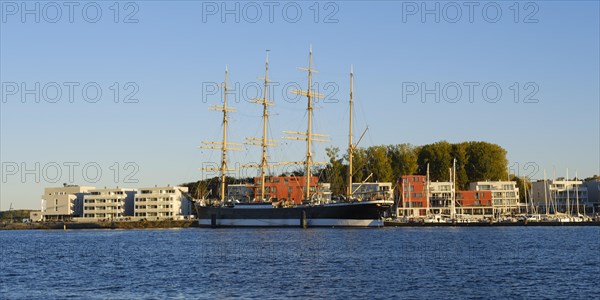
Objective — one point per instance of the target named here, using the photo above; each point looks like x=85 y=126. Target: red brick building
x=413 y=197
x=286 y=187
x=413 y=194
x=473 y=198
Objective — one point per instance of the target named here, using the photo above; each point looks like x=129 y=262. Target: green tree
x=379 y=164
x=523 y=184
x=333 y=171
x=475 y=161
x=459 y=152
x=486 y=161
x=15 y=215
x=211 y=187
x=439 y=157
x=403 y=159
x=359 y=164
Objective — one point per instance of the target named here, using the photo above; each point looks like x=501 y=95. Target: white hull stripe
x=292 y=222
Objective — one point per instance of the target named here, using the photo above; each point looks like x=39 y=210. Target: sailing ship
x=349 y=212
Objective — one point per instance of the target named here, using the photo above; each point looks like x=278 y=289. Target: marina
x=413 y=200
x=307 y=199
x=490 y=224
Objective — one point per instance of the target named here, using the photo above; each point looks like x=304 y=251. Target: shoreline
x=163 y=224
x=170 y=224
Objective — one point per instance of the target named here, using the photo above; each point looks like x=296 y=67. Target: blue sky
x=177 y=50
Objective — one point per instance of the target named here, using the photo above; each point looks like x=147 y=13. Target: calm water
x=388 y=263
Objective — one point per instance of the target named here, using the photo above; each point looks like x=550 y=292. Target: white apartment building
x=505 y=194
x=561 y=196
x=372 y=191
x=440 y=194
x=64 y=203
x=108 y=203
x=168 y=202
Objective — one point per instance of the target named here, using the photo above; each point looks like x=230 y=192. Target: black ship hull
x=355 y=214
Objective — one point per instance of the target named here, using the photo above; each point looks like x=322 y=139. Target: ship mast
x=223 y=145
x=309 y=128
x=350 y=144
x=308 y=136
x=263 y=142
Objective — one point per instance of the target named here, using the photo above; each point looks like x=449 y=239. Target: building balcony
x=105 y=211
x=155 y=195
x=140 y=210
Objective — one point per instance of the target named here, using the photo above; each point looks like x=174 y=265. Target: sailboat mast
x=545 y=193
x=568 y=208
x=453 y=196
x=410 y=199
x=530 y=208
x=350 y=144
x=309 y=129
x=224 y=142
x=577 y=193
x=554 y=194
x=427 y=189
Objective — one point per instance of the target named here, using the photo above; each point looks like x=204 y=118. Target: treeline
x=15 y=215
x=211 y=187
x=475 y=161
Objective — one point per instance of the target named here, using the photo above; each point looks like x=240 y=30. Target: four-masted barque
x=263 y=212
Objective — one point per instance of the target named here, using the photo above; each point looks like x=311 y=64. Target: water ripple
x=470 y=263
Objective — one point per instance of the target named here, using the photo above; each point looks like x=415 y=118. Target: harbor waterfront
x=173 y=224
x=386 y=189
x=335 y=150
x=99 y=225
x=314 y=263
